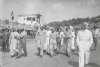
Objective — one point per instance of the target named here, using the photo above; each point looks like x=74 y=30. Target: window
x=30 y=19
x=24 y=18
x=33 y=19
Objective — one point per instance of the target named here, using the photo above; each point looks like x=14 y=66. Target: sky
x=1 y=4
x=52 y=10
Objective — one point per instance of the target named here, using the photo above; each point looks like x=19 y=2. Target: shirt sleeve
x=96 y=32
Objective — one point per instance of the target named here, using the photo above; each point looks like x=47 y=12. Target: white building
x=29 y=19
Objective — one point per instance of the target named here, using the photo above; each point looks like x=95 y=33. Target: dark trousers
x=58 y=47
x=66 y=44
x=95 y=42
x=58 y=41
x=4 y=45
x=22 y=46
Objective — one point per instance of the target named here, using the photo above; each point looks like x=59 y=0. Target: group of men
x=13 y=41
x=50 y=40
x=18 y=43
x=54 y=39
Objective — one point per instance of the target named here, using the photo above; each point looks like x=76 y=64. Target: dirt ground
x=61 y=60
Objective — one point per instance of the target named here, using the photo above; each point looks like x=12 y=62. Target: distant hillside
x=74 y=22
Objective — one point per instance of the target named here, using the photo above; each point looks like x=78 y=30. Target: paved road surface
x=60 y=60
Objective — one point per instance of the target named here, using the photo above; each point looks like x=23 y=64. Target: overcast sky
x=52 y=10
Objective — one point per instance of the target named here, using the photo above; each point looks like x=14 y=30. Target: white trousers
x=72 y=45
x=13 y=47
x=62 y=41
x=46 y=45
x=84 y=53
x=52 y=46
x=40 y=45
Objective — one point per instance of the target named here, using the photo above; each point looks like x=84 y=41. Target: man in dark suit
x=22 y=44
x=4 y=38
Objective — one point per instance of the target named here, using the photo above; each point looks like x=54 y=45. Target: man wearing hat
x=84 y=42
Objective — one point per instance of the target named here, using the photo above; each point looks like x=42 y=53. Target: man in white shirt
x=84 y=42
x=46 y=45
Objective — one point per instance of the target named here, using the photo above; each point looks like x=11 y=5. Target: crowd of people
x=13 y=41
x=50 y=40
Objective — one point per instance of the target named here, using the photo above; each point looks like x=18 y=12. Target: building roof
x=29 y=15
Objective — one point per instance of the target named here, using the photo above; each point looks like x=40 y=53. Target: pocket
x=88 y=46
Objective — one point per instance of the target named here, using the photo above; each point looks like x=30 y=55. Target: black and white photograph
x=49 y=33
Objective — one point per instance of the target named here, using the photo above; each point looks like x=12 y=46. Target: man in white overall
x=84 y=42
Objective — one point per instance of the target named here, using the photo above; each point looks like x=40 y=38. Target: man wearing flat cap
x=84 y=42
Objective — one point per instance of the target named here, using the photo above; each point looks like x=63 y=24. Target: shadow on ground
x=75 y=64
x=75 y=53
x=94 y=65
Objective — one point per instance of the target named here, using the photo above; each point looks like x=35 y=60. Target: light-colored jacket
x=48 y=33
x=84 y=39
x=96 y=32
